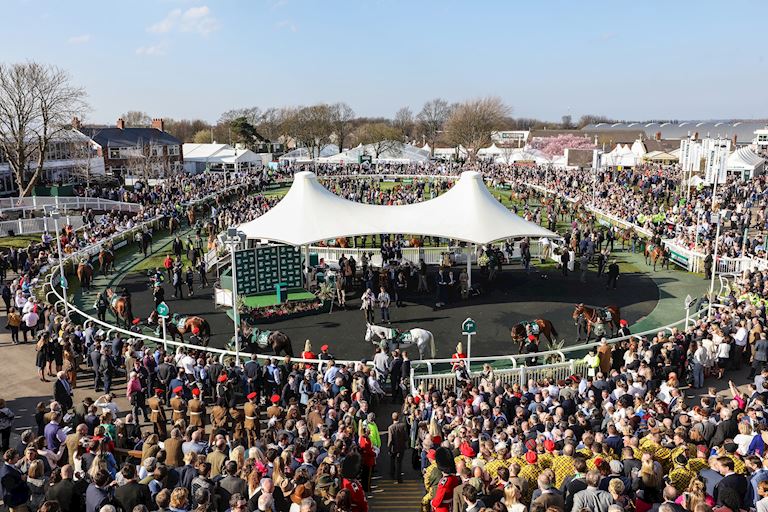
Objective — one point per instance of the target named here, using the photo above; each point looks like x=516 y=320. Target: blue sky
x=181 y=58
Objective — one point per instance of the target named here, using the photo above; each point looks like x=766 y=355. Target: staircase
x=390 y=496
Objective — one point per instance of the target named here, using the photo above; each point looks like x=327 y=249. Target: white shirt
x=723 y=350
x=741 y=336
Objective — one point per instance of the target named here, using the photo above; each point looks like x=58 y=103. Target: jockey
x=324 y=354
x=459 y=354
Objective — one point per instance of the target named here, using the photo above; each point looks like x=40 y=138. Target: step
x=389 y=495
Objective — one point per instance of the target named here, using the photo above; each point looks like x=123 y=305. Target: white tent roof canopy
x=218 y=154
x=468 y=212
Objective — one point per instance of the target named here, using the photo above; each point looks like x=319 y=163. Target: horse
x=422 y=338
x=653 y=253
x=85 y=274
x=626 y=236
x=173 y=224
x=189 y=324
x=106 y=260
x=254 y=340
x=520 y=332
x=120 y=306
x=593 y=316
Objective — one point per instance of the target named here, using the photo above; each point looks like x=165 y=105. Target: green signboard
x=260 y=269
x=469 y=327
x=162 y=309
x=679 y=259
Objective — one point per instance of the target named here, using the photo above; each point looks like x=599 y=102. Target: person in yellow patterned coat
x=730 y=450
x=530 y=473
x=432 y=477
x=501 y=461
x=680 y=476
x=563 y=466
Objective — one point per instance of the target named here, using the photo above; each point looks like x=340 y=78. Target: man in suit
x=396 y=375
x=592 y=498
x=397 y=442
x=15 y=490
x=132 y=493
x=730 y=480
x=548 y=496
x=65 y=492
x=728 y=428
x=62 y=391
x=231 y=484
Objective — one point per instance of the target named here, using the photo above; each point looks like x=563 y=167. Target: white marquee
x=468 y=212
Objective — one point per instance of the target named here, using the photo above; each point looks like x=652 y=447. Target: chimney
x=120 y=123
x=76 y=123
x=658 y=135
x=158 y=124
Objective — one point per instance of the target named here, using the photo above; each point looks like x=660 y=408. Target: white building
x=516 y=138
x=71 y=157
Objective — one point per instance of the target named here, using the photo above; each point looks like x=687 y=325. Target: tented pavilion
x=467 y=212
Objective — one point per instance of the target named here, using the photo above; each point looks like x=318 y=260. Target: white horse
x=422 y=338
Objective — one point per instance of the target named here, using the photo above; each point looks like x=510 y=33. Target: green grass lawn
x=19 y=241
x=156 y=261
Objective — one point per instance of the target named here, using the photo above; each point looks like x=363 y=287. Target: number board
x=245 y=264
x=260 y=269
x=268 y=263
x=290 y=266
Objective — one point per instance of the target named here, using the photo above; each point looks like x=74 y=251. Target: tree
x=136 y=119
x=404 y=122
x=270 y=124
x=381 y=137
x=471 y=123
x=311 y=127
x=185 y=129
x=84 y=154
x=251 y=114
x=146 y=160
x=567 y=122
x=341 y=119
x=556 y=146
x=588 y=119
x=432 y=117
x=244 y=132
x=202 y=137
x=37 y=104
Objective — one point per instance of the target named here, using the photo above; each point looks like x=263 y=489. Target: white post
x=62 y=278
x=235 y=312
x=469 y=354
x=714 y=267
x=165 y=341
x=469 y=268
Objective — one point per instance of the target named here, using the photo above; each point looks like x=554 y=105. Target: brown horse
x=189 y=324
x=592 y=316
x=120 y=306
x=653 y=253
x=279 y=341
x=519 y=331
x=106 y=260
x=626 y=236
x=173 y=224
x=85 y=274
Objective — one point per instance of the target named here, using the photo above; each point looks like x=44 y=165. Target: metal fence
x=66 y=203
x=38 y=225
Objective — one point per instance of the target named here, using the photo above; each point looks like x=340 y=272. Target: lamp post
x=233 y=239
x=56 y=215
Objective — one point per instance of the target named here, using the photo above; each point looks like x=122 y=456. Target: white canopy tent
x=396 y=153
x=745 y=162
x=490 y=152
x=199 y=156
x=525 y=155
x=468 y=212
x=300 y=155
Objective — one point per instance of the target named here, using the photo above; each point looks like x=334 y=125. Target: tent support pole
x=470 y=250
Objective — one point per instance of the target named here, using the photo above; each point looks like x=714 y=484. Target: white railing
x=68 y=203
x=38 y=225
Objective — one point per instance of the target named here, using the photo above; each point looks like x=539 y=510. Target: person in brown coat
x=196 y=410
x=274 y=409
x=237 y=417
x=157 y=414
x=174 y=457
x=219 y=418
x=179 y=406
x=604 y=355
x=252 y=422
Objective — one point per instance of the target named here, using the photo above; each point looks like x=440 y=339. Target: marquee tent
x=525 y=155
x=199 y=156
x=398 y=153
x=299 y=155
x=468 y=212
x=746 y=162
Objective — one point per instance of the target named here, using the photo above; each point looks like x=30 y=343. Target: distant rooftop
x=743 y=129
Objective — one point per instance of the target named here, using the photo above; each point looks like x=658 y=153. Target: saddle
x=604 y=314
x=532 y=328
x=180 y=322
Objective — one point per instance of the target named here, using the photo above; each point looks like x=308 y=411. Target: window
x=114 y=153
x=156 y=150
x=173 y=150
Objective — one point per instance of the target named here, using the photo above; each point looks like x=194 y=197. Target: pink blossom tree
x=556 y=146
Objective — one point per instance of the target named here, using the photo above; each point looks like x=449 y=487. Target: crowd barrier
x=64 y=203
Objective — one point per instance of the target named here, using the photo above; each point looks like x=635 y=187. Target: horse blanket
x=261 y=338
x=398 y=337
x=532 y=328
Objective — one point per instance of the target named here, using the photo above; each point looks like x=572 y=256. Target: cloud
x=197 y=20
x=155 y=50
x=286 y=25
x=81 y=39
x=276 y=4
